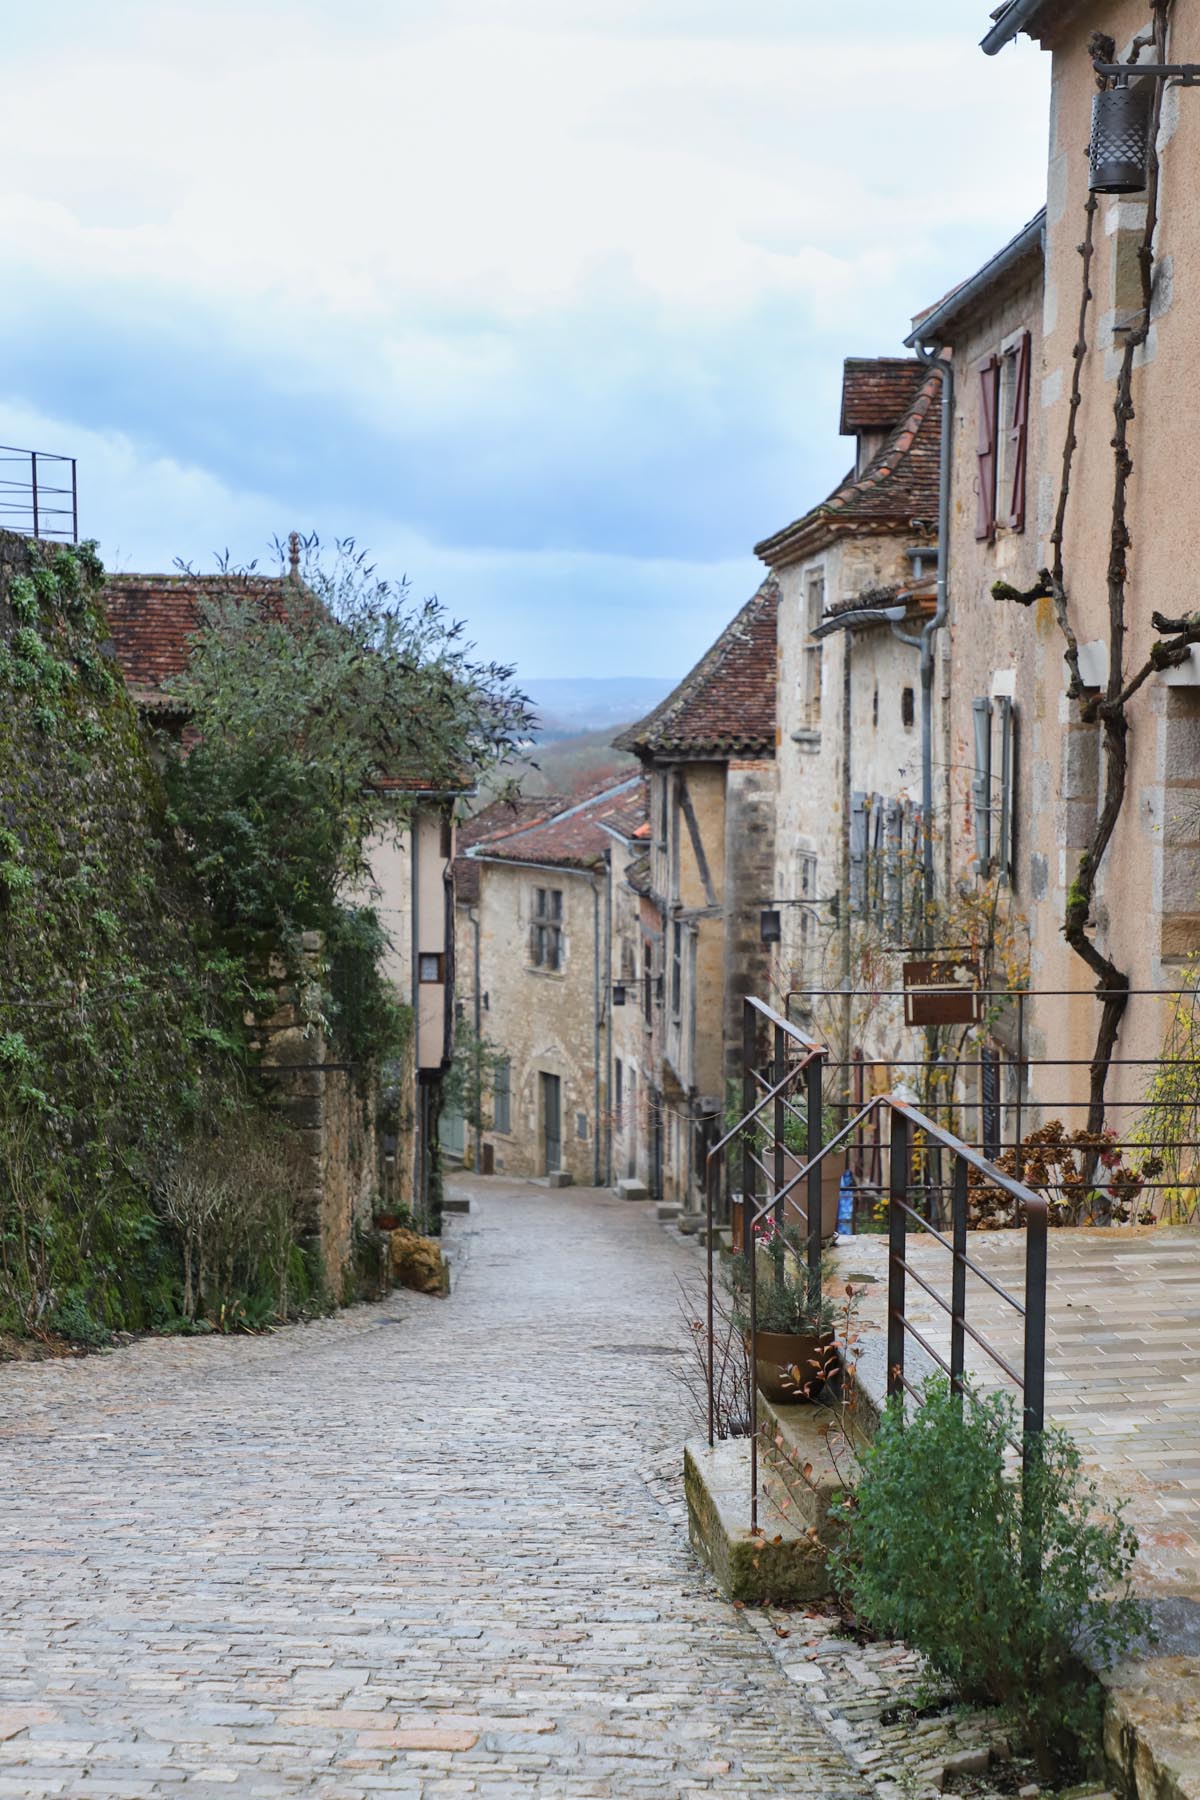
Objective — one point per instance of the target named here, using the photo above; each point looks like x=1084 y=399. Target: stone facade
x=331 y=1114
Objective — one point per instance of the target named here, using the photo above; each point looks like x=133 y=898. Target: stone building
x=854 y=580
x=709 y=752
x=545 y=979
x=1145 y=915
x=152 y=619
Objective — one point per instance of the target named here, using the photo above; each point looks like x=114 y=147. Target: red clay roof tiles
x=726 y=705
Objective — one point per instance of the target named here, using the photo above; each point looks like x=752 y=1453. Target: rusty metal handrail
x=763 y=1092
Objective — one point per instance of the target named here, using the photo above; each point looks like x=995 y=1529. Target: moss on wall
x=114 y=1011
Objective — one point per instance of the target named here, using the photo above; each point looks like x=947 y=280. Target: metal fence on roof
x=38 y=494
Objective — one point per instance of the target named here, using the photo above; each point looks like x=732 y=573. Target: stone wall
x=332 y=1115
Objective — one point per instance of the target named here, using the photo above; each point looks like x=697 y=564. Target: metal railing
x=796 y=1064
x=38 y=494
x=994 y=1095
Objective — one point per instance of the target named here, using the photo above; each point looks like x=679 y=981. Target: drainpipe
x=474 y=918
x=938 y=364
x=596 y=1028
x=847 y=912
x=608 y=988
x=418 y=1170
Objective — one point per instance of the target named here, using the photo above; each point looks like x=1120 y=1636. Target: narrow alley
x=421 y=1548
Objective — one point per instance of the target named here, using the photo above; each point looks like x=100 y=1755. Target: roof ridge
x=703 y=672
x=882 y=468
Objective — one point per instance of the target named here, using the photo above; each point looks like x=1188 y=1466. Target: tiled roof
x=876 y=391
x=726 y=705
x=152 y=618
x=499 y=818
x=897 y=486
x=572 y=837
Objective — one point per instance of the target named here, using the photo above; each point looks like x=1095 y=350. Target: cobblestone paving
x=426 y=1548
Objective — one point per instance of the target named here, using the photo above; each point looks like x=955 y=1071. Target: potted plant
x=794 y=1348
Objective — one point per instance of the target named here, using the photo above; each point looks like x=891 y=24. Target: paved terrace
x=425 y=1548
x=1123 y=1376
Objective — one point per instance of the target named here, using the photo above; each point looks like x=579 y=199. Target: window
x=676 y=968
x=1002 y=449
x=810 y=671
x=546 y=946
x=647 y=982
x=908 y=709
x=431 y=967
x=581 y=1127
x=993 y=786
x=502 y=1096
x=620 y=1094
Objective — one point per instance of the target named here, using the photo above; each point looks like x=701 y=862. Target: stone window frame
x=546 y=946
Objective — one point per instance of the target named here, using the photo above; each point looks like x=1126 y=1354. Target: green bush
x=940 y=1550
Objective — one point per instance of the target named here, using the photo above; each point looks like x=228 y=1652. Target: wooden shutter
x=1018 y=435
x=981 y=785
x=989 y=395
x=893 y=885
x=858 y=851
x=1008 y=774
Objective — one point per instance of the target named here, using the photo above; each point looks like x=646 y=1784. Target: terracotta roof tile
x=726 y=705
x=876 y=391
x=573 y=837
x=152 y=618
x=897 y=487
x=501 y=817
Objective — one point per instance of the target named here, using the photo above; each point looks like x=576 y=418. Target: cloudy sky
x=544 y=300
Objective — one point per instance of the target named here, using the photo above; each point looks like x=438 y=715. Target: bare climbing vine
x=1109 y=709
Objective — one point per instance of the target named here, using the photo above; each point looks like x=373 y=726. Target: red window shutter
x=989 y=395
x=1019 y=434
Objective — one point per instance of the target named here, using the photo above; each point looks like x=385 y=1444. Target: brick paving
x=426 y=1548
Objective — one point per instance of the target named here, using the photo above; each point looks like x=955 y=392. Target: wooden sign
x=942 y=991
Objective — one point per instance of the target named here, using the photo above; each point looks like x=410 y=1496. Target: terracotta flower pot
x=792 y=1367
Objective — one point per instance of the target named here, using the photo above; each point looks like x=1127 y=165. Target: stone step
x=667 y=1211
x=631 y=1189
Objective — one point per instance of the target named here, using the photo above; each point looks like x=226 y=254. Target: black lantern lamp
x=1119 y=152
x=770 y=926
x=618 y=993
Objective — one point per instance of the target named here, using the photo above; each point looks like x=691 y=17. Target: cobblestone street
x=423 y=1548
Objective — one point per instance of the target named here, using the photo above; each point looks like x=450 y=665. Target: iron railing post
x=710 y=1176
x=74 y=503
x=958 y=1290
x=778 y=1127
x=898 y=1186
x=1036 y=1222
x=33 y=476
x=749 y=1183
x=815 y=1176
x=1036 y=1258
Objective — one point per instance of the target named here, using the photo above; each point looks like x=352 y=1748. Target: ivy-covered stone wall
x=111 y=1001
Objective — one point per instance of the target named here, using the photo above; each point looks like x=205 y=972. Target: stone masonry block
x=1181 y=880
x=1181 y=822
x=1183 y=750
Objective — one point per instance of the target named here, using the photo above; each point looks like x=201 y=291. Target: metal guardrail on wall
x=772 y=1082
x=38 y=494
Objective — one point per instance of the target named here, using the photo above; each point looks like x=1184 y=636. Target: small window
x=908 y=707
x=431 y=967
x=502 y=1096
x=581 y=1126
x=619 y=1100
x=546 y=933
x=875 y=707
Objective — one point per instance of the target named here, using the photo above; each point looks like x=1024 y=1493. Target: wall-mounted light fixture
x=770 y=919
x=618 y=995
x=1119 y=151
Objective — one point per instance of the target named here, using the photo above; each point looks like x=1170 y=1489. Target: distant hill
x=567 y=706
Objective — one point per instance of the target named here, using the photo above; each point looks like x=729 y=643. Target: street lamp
x=770 y=919
x=1119 y=151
